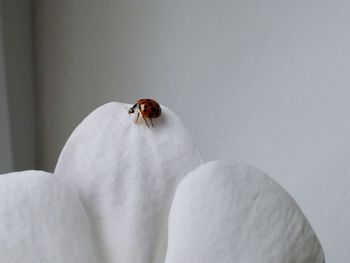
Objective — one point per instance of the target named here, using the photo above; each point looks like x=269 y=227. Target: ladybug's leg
x=138 y=114
x=144 y=119
x=151 y=121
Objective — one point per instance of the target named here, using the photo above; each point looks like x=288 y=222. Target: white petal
x=126 y=175
x=230 y=212
x=41 y=221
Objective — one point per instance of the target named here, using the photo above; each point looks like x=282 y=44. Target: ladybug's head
x=131 y=110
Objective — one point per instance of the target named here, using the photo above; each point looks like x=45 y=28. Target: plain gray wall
x=6 y=162
x=264 y=82
x=18 y=74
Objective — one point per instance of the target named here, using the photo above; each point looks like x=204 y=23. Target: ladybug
x=148 y=108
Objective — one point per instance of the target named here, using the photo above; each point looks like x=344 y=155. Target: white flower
x=128 y=178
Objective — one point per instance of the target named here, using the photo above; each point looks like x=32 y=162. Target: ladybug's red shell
x=149 y=108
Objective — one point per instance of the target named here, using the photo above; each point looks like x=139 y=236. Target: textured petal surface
x=41 y=221
x=126 y=175
x=230 y=212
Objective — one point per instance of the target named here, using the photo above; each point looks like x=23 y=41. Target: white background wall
x=264 y=82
